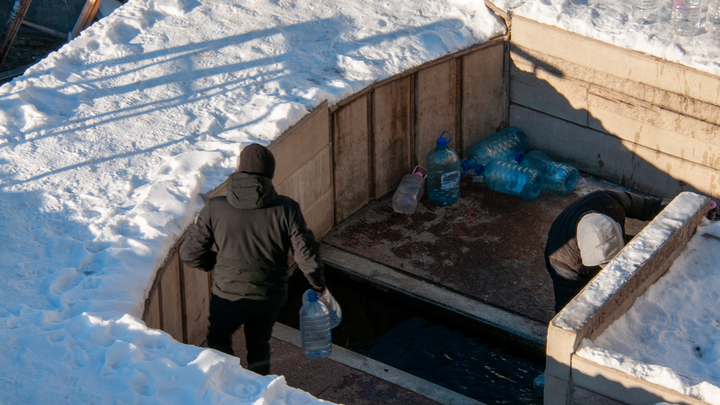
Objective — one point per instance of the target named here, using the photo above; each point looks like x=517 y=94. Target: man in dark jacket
x=255 y=230
x=588 y=234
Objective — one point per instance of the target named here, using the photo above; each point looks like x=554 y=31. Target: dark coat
x=255 y=230
x=562 y=249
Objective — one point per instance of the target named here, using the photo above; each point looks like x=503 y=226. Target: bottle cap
x=312 y=296
x=442 y=142
x=517 y=157
x=418 y=173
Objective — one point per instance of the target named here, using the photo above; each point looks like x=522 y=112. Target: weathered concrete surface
x=488 y=246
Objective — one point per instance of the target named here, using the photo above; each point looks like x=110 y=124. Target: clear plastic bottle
x=647 y=11
x=409 y=192
x=512 y=178
x=502 y=145
x=560 y=178
x=443 y=178
x=334 y=310
x=315 y=329
x=712 y=23
x=685 y=18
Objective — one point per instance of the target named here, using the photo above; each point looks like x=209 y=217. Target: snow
x=574 y=316
x=671 y=335
x=106 y=144
x=611 y=21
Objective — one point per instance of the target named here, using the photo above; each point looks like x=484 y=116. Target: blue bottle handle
x=446 y=132
x=475 y=169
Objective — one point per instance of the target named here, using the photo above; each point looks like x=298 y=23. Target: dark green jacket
x=255 y=230
x=562 y=249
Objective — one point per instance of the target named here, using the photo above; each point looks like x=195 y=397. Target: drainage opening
x=428 y=342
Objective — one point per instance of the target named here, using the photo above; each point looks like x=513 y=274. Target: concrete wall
x=569 y=377
x=626 y=117
x=336 y=160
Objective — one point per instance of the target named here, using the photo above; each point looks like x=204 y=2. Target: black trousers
x=257 y=317
x=566 y=284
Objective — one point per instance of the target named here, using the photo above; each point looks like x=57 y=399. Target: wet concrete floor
x=487 y=246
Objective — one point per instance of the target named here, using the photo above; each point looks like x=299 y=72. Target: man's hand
x=713 y=213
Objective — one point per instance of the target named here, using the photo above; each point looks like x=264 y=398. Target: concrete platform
x=346 y=377
x=481 y=257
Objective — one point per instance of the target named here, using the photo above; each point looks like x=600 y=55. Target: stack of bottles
x=501 y=161
x=318 y=315
x=685 y=15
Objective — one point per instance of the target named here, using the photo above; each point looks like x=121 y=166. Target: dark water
x=392 y=329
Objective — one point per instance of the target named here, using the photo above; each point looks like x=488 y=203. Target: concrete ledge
x=622 y=387
x=642 y=262
x=528 y=330
x=381 y=370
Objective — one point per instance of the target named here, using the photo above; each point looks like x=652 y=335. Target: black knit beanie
x=257 y=159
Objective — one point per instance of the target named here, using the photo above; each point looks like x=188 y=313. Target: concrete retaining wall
x=626 y=117
x=616 y=114
x=336 y=160
x=587 y=318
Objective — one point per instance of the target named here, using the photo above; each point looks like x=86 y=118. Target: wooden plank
x=655 y=128
x=436 y=110
x=311 y=181
x=615 y=61
x=484 y=102
x=45 y=30
x=17 y=14
x=86 y=17
x=152 y=315
x=319 y=216
x=197 y=304
x=301 y=143
x=542 y=87
x=544 y=65
x=351 y=145
x=172 y=316
x=393 y=132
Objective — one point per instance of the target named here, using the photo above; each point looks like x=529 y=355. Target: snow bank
x=105 y=145
x=671 y=335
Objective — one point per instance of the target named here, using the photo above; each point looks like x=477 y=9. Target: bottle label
x=449 y=180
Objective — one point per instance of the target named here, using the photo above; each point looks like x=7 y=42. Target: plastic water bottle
x=647 y=11
x=712 y=23
x=685 y=18
x=502 y=145
x=443 y=178
x=560 y=178
x=409 y=192
x=512 y=178
x=315 y=329
x=327 y=299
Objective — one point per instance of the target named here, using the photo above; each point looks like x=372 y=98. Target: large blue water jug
x=512 y=178
x=560 y=178
x=503 y=145
x=334 y=310
x=443 y=178
x=315 y=328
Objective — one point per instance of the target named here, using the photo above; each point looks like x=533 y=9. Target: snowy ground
x=671 y=335
x=611 y=21
x=105 y=145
